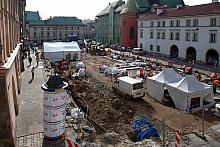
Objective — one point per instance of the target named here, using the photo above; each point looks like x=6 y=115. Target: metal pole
x=163 y=139
x=203 y=126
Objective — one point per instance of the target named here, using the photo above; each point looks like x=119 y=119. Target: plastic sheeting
x=144 y=129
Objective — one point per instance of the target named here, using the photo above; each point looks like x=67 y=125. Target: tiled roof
x=31 y=15
x=58 y=20
x=107 y=9
x=136 y=6
x=205 y=9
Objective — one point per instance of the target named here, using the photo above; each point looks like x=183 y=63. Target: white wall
x=202 y=46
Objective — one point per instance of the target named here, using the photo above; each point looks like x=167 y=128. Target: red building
x=129 y=16
x=128 y=25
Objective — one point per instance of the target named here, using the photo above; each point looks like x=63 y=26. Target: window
x=77 y=28
x=195 y=22
x=151 y=34
x=141 y=45
x=124 y=23
x=141 y=33
x=60 y=34
x=65 y=33
x=141 y=25
x=195 y=36
x=213 y=22
x=54 y=34
x=188 y=22
x=54 y=28
x=48 y=28
x=171 y=35
x=177 y=36
x=48 y=34
x=71 y=28
x=158 y=35
x=177 y=23
x=35 y=34
x=35 y=28
x=151 y=47
x=212 y=38
x=163 y=23
x=42 y=34
x=158 y=48
x=163 y=35
x=171 y=23
x=42 y=28
x=188 y=36
x=132 y=36
x=66 y=28
x=158 y=24
x=152 y=24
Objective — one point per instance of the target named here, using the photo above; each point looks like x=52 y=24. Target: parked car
x=137 y=51
x=129 y=87
x=129 y=49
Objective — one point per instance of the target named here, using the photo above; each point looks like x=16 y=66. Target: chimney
x=179 y=6
x=214 y=1
x=159 y=11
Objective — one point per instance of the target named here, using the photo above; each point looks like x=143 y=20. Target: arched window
x=131 y=32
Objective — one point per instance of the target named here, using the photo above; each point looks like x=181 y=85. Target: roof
x=190 y=84
x=58 y=20
x=205 y=9
x=166 y=76
x=113 y=5
x=129 y=80
x=32 y=16
x=61 y=47
x=136 y=6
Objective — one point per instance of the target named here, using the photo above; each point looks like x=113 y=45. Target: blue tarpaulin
x=144 y=129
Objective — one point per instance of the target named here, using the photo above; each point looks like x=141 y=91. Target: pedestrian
x=37 y=59
x=30 y=60
x=32 y=72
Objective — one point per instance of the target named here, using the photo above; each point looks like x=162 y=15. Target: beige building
x=11 y=12
x=54 y=28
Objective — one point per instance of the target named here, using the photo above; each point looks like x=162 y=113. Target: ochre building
x=11 y=20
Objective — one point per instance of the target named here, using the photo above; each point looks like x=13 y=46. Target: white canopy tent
x=189 y=94
x=155 y=84
x=56 y=51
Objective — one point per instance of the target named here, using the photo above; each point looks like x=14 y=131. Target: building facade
x=11 y=18
x=191 y=33
x=53 y=29
x=89 y=29
x=108 y=23
x=130 y=13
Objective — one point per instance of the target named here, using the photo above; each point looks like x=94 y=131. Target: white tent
x=56 y=51
x=189 y=94
x=155 y=84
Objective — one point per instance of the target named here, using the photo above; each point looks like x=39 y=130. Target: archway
x=174 y=52
x=191 y=54
x=212 y=57
x=14 y=96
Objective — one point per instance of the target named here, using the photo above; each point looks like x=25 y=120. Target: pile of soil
x=105 y=108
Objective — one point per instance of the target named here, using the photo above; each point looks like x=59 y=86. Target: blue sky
x=83 y=9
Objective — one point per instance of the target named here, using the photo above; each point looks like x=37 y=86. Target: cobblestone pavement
x=30 y=117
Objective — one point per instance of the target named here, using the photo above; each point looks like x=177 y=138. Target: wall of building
x=201 y=46
x=43 y=33
x=10 y=23
x=128 y=21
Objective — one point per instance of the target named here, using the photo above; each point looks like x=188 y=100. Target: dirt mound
x=104 y=107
